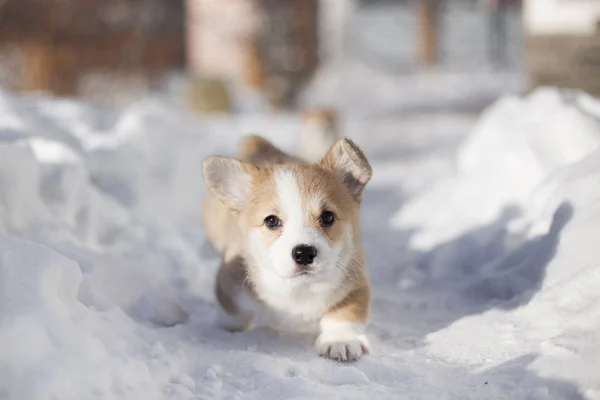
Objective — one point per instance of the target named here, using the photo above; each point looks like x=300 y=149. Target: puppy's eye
x=327 y=218
x=272 y=222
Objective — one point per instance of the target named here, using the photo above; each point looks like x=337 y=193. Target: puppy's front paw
x=342 y=348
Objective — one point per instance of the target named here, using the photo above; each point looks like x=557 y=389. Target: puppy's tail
x=252 y=145
x=258 y=150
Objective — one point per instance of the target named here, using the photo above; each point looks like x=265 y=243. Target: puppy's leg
x=343 y=335
x=230 y=289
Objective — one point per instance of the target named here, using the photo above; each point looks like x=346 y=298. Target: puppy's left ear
x=230 y=180
x=348 y=161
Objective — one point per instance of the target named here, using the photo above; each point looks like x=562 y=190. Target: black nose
x=304 y=254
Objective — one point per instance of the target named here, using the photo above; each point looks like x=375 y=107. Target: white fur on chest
x=299 y=303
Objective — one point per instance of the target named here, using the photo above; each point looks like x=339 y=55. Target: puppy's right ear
x=350 y=164
x=230 y=180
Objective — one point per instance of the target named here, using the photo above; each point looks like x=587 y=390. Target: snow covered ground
x=481 y=238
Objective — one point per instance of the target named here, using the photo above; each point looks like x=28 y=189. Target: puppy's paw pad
x=342 y=350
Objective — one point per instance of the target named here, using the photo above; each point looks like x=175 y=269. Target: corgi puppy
x=288 y=233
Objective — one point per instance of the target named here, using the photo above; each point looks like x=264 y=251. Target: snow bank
x=51 y=345
x=549 y=283
x=514 y=229
x=515 y=145
x=101 y=189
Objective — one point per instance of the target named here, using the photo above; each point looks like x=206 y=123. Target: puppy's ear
x=348 y=161
x=230 y=180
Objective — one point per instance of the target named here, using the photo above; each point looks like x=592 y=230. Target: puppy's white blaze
x=292 y=200
x=296 y=228
x=288 y=192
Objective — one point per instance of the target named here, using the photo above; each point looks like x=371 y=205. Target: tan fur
x=322 y=115
x=259 y=151
x=226 y=228
x=319 y=132
x=354 y=307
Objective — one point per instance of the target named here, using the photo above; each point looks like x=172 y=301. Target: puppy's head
x=300 y=221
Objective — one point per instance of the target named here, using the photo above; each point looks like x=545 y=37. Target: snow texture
x=480 y=236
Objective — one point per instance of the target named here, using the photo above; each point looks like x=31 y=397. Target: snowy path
x=482 y=251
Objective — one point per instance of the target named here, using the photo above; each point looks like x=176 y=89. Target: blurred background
x=235 y=56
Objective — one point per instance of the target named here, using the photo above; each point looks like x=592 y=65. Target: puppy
x=288 y=233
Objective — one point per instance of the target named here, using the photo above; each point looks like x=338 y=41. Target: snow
x=480 y=236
